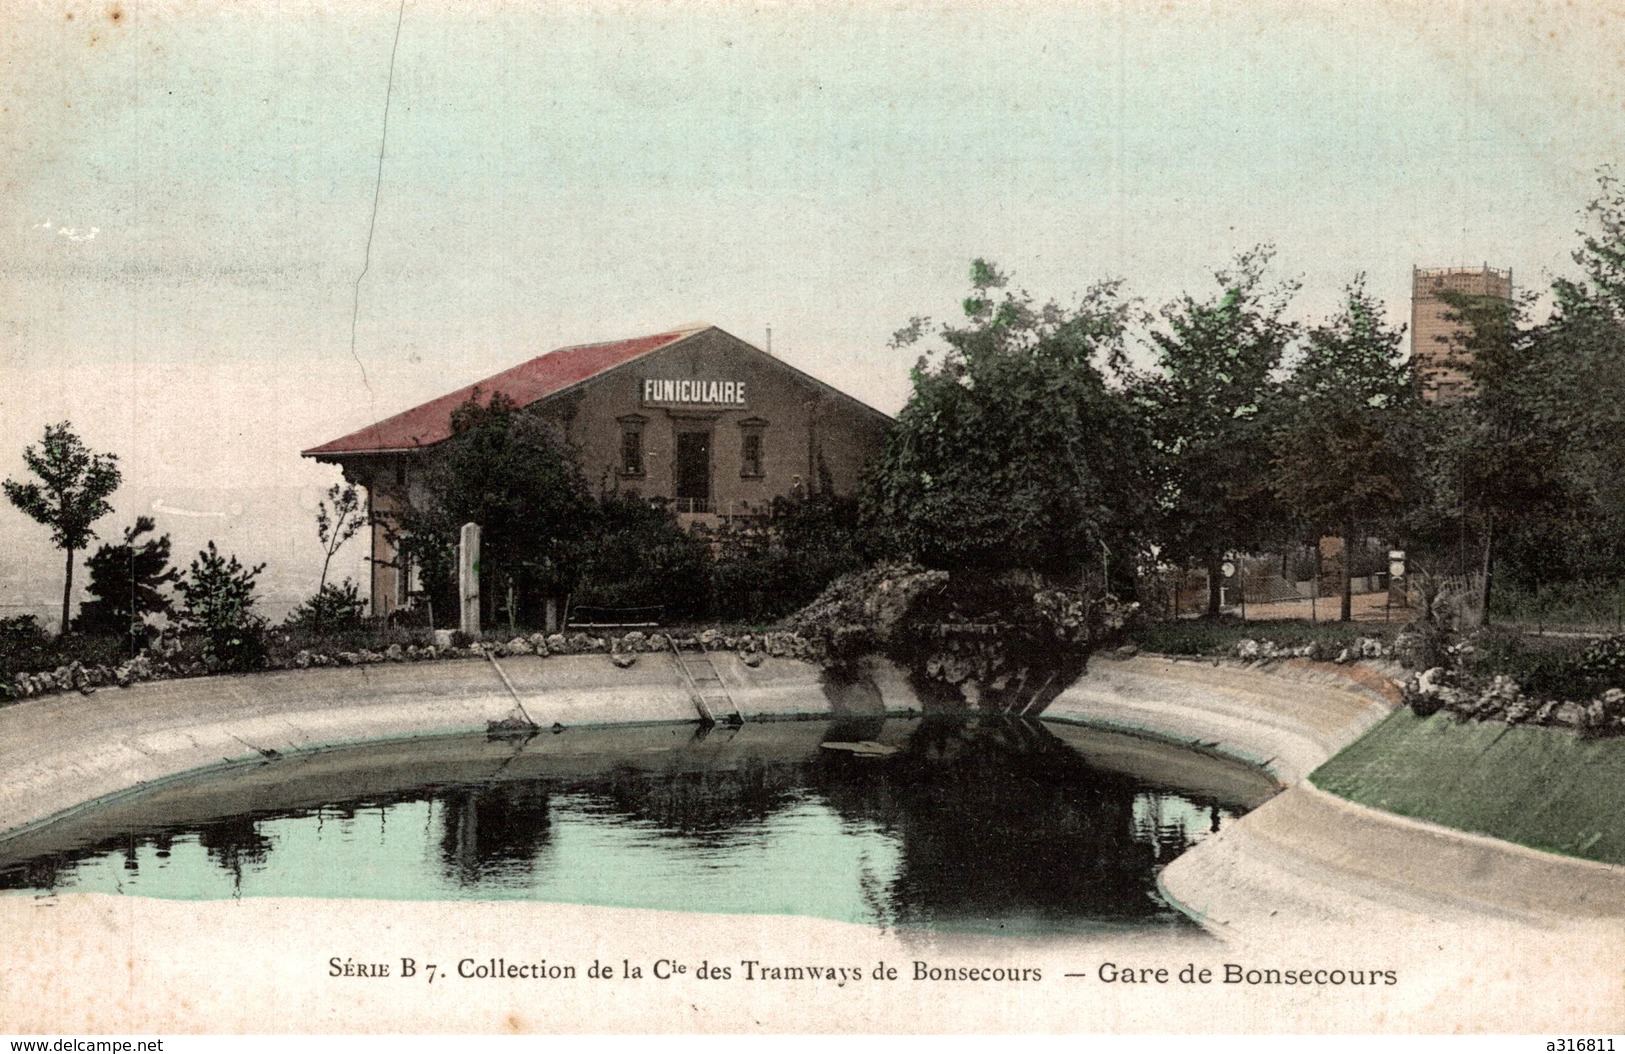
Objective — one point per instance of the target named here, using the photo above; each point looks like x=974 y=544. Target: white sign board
x=693 y=392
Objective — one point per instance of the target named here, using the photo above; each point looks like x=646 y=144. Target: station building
x=693 y=415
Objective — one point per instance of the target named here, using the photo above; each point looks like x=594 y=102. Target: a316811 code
x=1588 y=1043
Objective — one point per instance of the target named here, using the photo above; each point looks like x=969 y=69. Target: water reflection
x=492 y=830
x=233 y=844
x=1170 y=825
x=1000 y=811
x=991 y=824
x=709 y=807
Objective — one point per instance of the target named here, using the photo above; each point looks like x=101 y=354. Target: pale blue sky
x=559 y=173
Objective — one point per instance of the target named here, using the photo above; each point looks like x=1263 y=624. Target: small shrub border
x=1493 y=675
x=1287 y=639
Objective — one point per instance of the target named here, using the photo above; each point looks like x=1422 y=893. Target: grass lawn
x=1538 y=787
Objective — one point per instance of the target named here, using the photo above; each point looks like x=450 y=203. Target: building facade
x=1440 y=367
x=694 y=415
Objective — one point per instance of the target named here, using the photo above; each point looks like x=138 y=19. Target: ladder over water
x=705 y=687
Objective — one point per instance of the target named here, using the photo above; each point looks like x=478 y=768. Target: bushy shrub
x=217 y=597
x=1597 y=602
x=24 y=644
x=1206 y=636
x=747 y=572
x=639 y=557
x=21 y=630
x=26 y=647
x=824 y=537
x=768 y=567
x=750 y=569
x=367 y=634
x=334 y=606
x=1548 y=667
x=1605 y=660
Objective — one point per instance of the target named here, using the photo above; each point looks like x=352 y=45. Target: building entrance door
x=693 y=472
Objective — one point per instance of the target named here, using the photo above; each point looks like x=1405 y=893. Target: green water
x=993 y=827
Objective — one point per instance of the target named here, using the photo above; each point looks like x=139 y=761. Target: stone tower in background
x=1440 y=371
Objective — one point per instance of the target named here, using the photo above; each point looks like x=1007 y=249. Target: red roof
x=526 y=383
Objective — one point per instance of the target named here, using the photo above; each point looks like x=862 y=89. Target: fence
x=1457 y=597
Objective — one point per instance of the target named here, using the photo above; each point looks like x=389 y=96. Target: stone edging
x=1286 y=716
x=160 y=665
x=63 y=750
x=1310 y=858
x=1348 y=864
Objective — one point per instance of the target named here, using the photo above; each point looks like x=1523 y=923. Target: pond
x=985 y=825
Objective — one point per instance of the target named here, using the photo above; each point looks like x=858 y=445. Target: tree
x=1212 y=403
x=636 y=556
x=1511 y=441
x=1012 y=451
x=1531 y=469
x=127 y=581
x=1583 y=381
x=1340 y=455
x=71 y=495
x=335 y=528
x=505 y=469
x=217 y=599
x=1600 y=293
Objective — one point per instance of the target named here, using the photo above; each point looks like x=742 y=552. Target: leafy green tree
x=1584 y=383
x=1530 y=482
x=1213 y=404
x=506 y=470
x=1342 y=459
x=127 y=583
x=70 y=496
x=1013 y=452
x=1600 y=293
x=217 y=598
x=1509 y=442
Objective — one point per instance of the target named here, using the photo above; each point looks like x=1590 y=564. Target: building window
x=750 y=448
x=632 y=445
x=631 y=453
x=408 y=580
